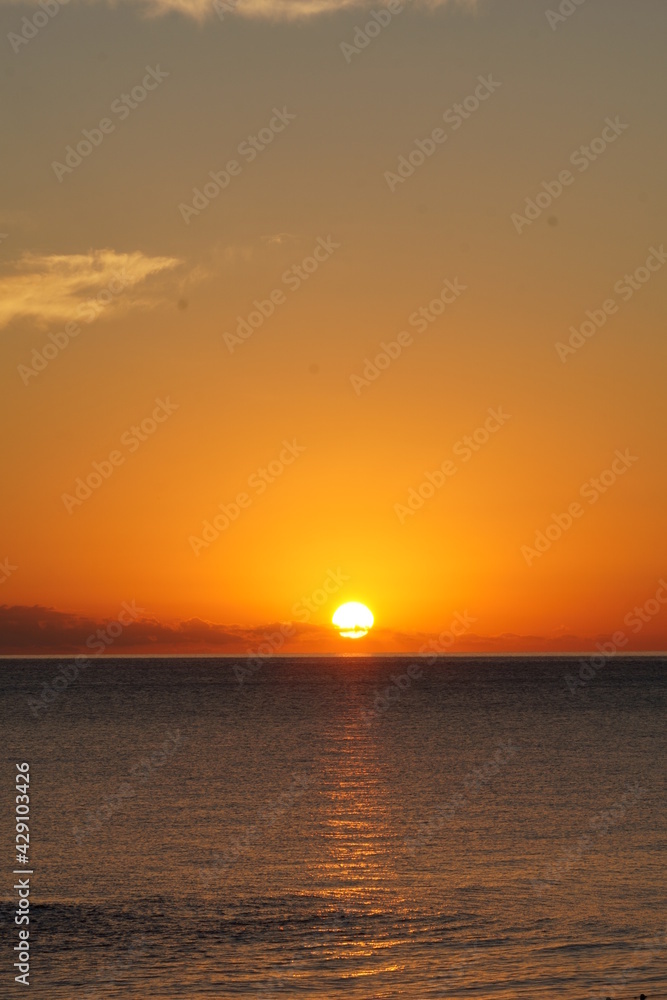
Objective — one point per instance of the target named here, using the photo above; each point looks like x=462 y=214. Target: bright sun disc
x=353 y=620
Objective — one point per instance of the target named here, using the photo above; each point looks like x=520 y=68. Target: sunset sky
x=503 y=162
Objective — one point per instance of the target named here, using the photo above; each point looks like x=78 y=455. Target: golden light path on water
x=354 y=868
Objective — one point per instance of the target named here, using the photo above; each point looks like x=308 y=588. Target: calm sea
x=314 y=828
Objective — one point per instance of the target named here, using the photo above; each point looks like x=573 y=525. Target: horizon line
x=331 y=656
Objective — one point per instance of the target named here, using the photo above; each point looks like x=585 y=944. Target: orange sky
x=234 y=334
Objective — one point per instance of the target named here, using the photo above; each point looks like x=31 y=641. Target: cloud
x=286 y=9
x=53 y=288
x=36 y=630
x=269 y=9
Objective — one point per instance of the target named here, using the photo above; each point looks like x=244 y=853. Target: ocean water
x=314 y=828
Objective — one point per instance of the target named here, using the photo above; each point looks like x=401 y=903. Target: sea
x=312 y=827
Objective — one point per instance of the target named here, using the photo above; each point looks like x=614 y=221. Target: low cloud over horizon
x=40 y=631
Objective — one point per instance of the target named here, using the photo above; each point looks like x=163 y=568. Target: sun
x=353 y=620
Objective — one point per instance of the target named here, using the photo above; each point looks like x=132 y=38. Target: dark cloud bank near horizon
x=39 y=631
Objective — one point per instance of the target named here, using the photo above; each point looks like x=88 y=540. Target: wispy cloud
x=279 y=239
x=290 y=9
x=270 y=9
x=51 y=287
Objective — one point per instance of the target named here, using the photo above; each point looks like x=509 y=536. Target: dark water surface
x=320 y=830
